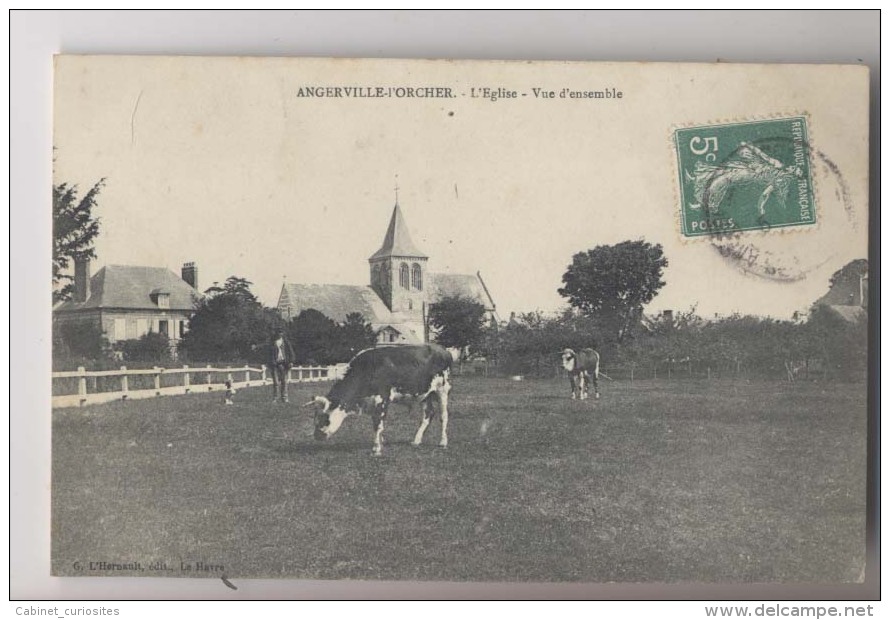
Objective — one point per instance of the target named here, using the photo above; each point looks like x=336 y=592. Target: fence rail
x=73 y=388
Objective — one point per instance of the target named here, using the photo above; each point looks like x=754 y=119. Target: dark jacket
x=287 y=350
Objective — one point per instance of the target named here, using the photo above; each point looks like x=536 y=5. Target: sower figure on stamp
x=281 y=358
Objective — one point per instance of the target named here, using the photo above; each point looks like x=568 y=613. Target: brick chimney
x=81 y=279
x=190 y=274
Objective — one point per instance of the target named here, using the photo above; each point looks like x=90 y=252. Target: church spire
x=397 y=241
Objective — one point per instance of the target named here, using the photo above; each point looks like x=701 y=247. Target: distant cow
x=583 y=367
x=376 y=377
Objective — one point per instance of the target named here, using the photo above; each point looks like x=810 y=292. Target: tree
x=229 y=324
x=851 y=272
x=79 y=342
x=318 y=339
x=458 y=321
x=313 y=336
x=74 y=230
x=613 y=283
x=353 y=335
x=151 y=347
x=235 y=287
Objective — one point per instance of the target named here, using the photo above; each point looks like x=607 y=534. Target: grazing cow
x=583 y=367
x=376 y=377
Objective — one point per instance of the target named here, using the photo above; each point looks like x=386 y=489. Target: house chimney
x=190 y=274
x=81 y=279
x=668 y=315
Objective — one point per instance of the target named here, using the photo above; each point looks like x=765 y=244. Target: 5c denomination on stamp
x=745 y=176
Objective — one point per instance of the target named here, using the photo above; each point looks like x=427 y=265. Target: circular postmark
x=787 y=257
x=768 y=203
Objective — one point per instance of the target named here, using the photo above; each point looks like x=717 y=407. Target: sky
x=221 y=162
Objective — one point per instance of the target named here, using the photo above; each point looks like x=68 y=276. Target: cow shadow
x=318 y=447
x=313 y=447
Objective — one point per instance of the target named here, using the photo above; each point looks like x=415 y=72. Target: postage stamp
x=745 y=176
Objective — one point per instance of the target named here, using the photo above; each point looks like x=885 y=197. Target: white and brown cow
x=377 y=377
x=583 y=367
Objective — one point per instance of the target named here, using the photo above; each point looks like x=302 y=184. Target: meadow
x=658 y=481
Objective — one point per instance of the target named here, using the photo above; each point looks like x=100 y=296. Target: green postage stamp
x=745 y=176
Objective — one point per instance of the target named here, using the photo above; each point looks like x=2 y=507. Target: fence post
x=158 y=381
x=263 y=373
x=209 y=378
x=228 y=373
x=82 y=385
x=186 y=380
x=246 y=373
x=125 y=383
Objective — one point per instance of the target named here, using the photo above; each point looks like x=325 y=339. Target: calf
x=583 y=367
x=376 y=377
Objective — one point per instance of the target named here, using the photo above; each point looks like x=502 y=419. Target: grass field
x=656 y=482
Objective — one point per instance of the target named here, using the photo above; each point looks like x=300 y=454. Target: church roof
x=397 y=241
x=334 y=301
x=439 y=285
x=131 y=287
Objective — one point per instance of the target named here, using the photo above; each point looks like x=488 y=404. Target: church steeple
x=398 y=268
x=397 y=241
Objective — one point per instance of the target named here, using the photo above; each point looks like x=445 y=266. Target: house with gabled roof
x=396 y=301
x=128 y=301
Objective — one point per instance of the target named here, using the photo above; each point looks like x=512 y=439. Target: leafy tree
x=844 y=285
x=229 y=324
x=613 y=283
x=353 y=335
x=318 y=339
x=79 y=341
x=458 y=322
x=851 y=272
x=74 y=230
x=235 y=287
x=151 y=347
x=313 y=336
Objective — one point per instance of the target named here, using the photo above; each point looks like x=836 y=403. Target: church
x=398 y=298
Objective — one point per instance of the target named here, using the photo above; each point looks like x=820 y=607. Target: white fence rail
x=193 y=379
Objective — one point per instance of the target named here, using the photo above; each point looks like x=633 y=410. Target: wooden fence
x=81 y=387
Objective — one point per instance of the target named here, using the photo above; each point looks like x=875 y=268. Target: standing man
x=280 y=361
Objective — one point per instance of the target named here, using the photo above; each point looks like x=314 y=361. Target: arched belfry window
x=403 y=275
x=417 y=277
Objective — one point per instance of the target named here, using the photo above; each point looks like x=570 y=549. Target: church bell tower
x=398 y=268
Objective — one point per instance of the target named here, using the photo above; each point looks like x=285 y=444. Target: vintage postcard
x=459 y=320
